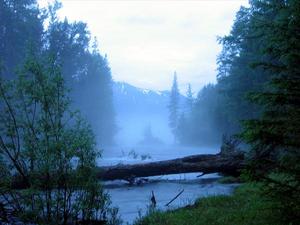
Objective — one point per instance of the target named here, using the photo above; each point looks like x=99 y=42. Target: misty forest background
x=198 y=118
x=256 y=96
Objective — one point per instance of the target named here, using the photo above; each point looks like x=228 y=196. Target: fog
x=133 y=128
x=140 y=45
x=111 y=110
x=140 y=114
x=138 y=82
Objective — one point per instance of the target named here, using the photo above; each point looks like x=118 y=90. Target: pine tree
x=274 y=137
x=236 y=77
x=189 y=98
x=87 y=73
x=173 y=107
x=183 y=128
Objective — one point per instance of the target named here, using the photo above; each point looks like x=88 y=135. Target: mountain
x=138 y=109
x=131 y=99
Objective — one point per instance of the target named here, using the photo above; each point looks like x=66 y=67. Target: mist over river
x=133 y=200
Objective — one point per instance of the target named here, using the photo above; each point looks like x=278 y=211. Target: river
x=133 y=200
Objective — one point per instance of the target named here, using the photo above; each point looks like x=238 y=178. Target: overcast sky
x=146 y=41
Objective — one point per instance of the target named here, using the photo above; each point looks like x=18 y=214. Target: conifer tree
x=173 y=107
x=189 y=98
x=274 y=137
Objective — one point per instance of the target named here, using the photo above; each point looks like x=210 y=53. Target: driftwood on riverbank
x=230 y=163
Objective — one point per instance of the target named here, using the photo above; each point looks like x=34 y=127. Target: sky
x=146 y=41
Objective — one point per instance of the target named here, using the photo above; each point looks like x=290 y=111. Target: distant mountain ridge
x=131 y=99
x=138 y=109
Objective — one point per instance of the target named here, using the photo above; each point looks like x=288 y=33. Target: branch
x=173 y=199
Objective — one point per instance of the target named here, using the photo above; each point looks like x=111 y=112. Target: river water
x=133 y=200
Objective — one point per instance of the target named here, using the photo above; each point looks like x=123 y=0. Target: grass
x=245 y=207
x=229 y=180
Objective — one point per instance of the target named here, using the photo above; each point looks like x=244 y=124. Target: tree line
x=256 y=99
x=28 y=30
x=49 y=69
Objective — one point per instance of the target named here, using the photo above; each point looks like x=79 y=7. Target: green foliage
x=260 y=62
x=189 y=98
x=49 y=148
x=85 y=71
x=25 y=19
x=218 y=109
x=274 y=137
x=246 y=206
x=205 y=121
x=228 y=180
x=236 y=76
x=99 y=84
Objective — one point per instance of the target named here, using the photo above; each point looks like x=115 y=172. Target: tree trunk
x=210 y=163
x=227 y=163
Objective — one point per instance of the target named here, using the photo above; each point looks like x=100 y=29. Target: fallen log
x=209 y=163
x=226 y=163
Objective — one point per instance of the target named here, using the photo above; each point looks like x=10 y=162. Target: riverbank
x=133 y=200
x=245 y=207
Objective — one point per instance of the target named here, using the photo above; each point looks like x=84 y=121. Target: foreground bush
x=51 y=151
